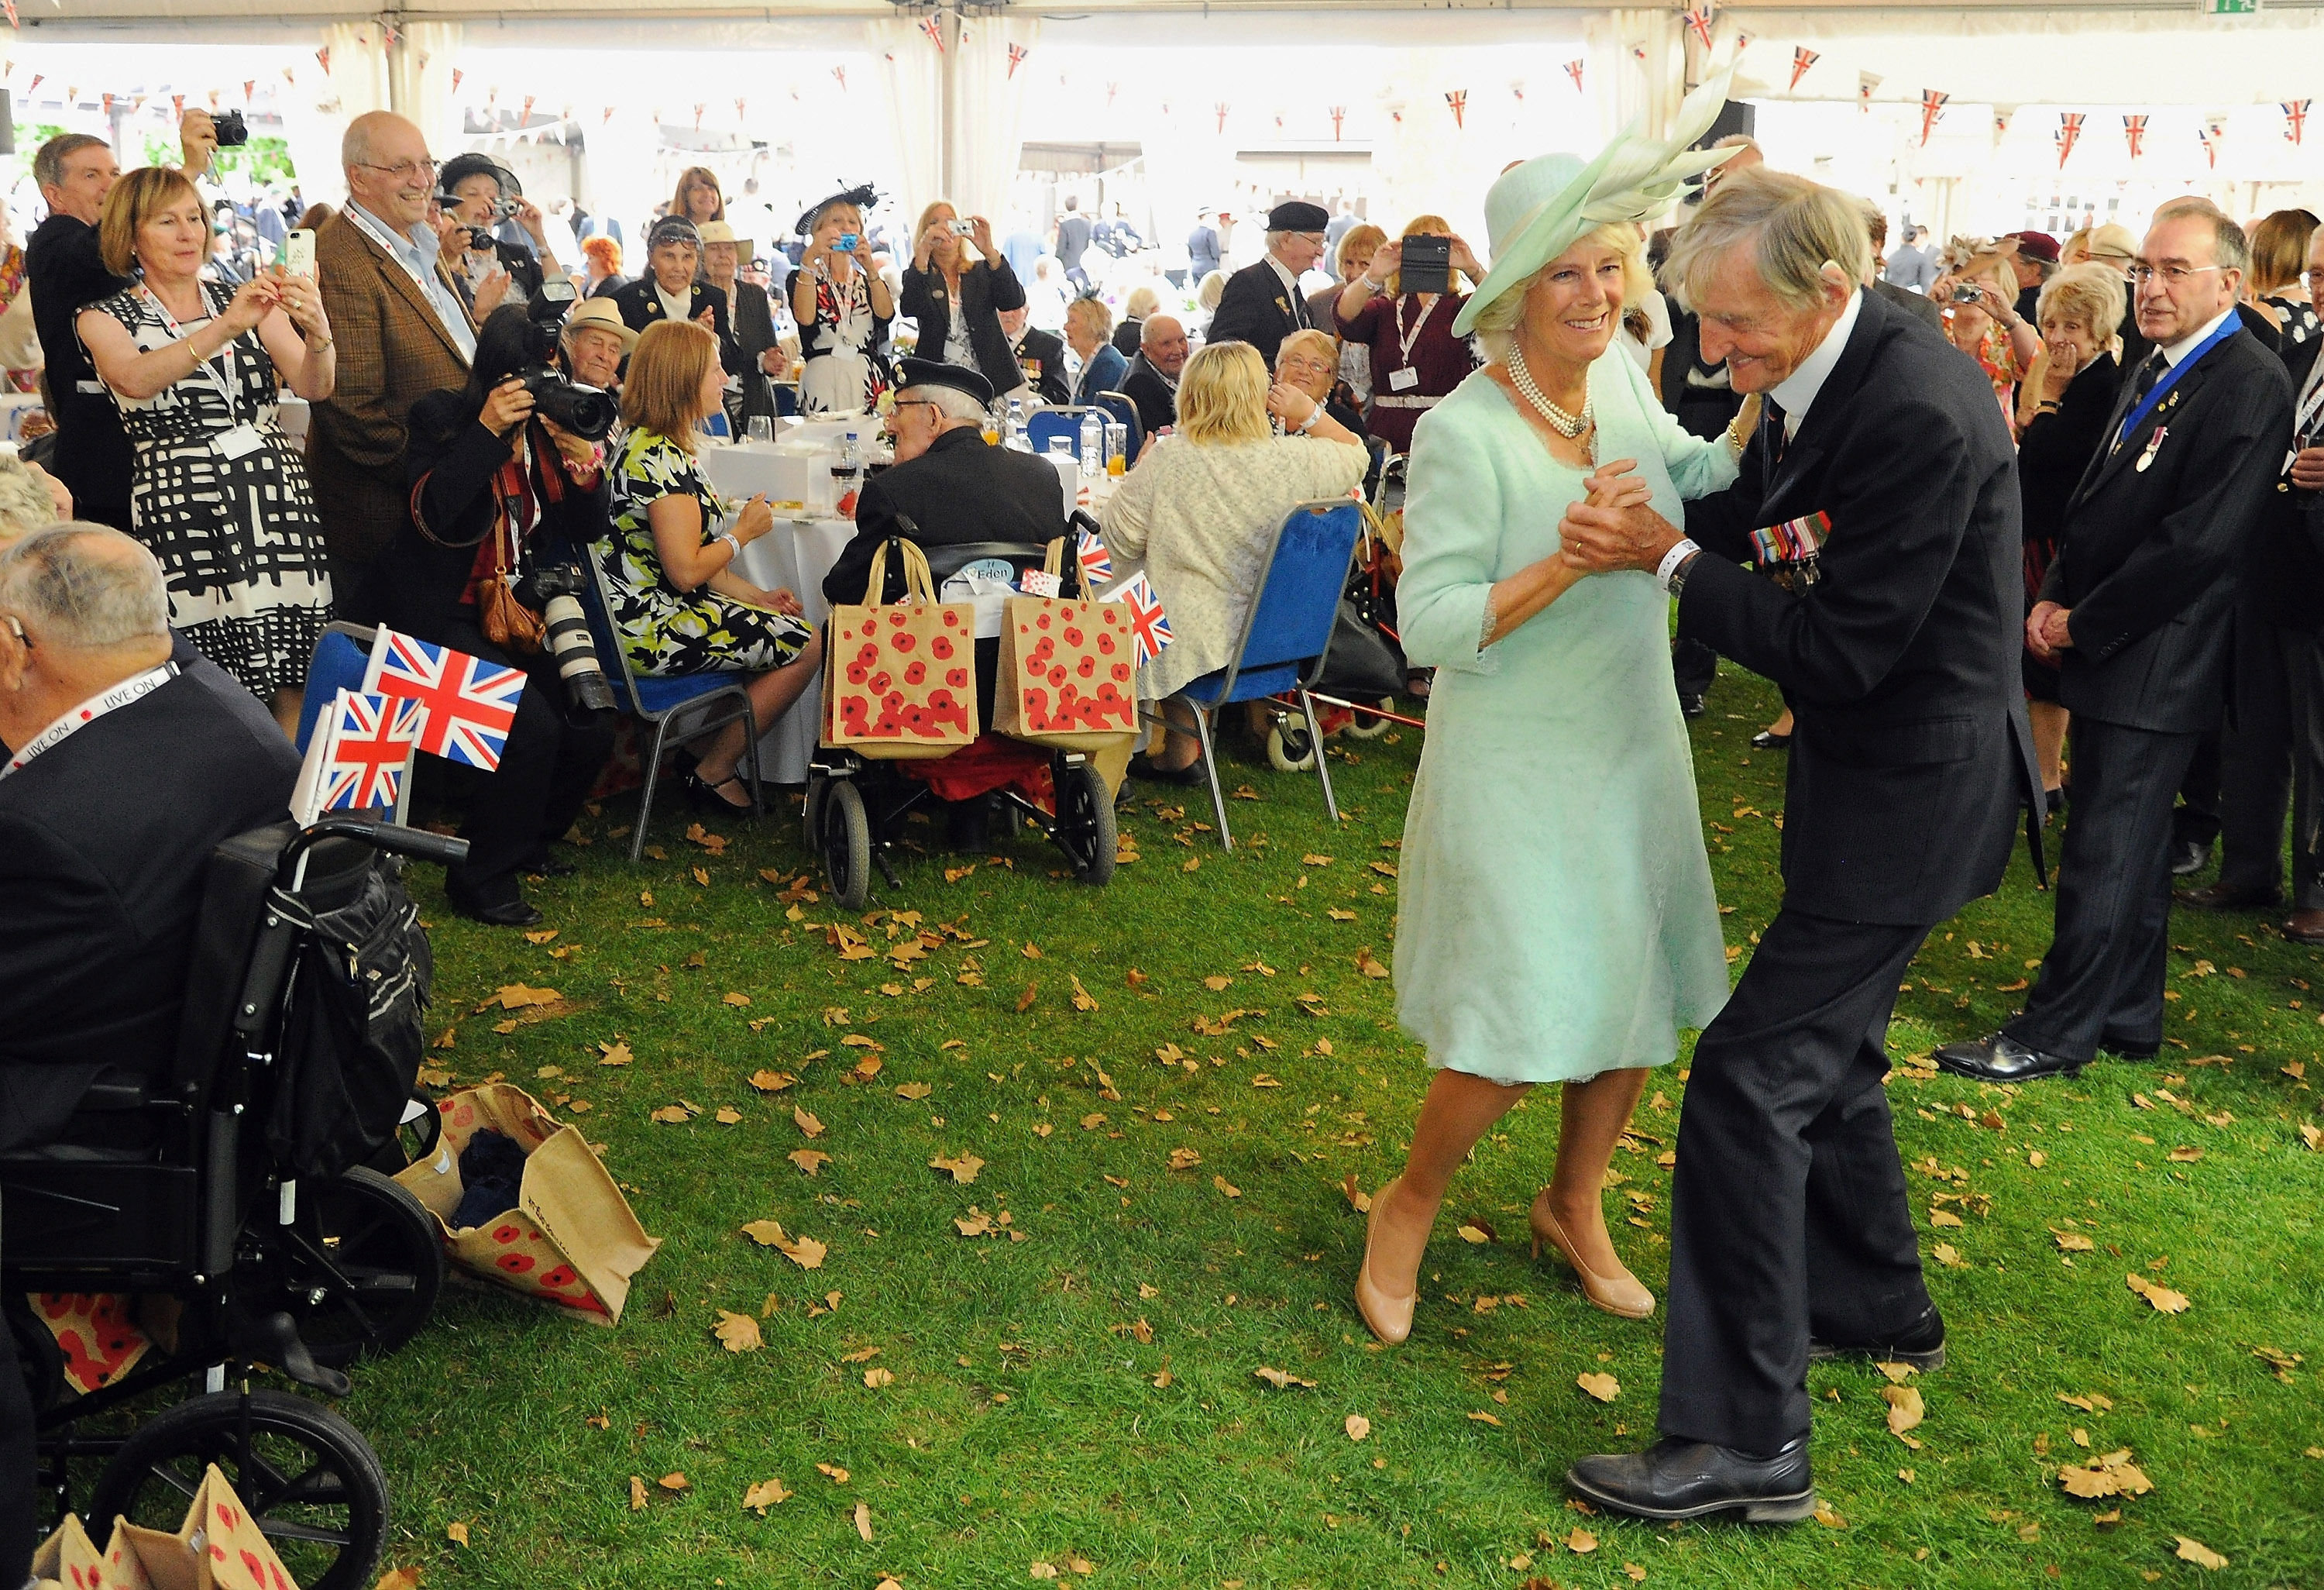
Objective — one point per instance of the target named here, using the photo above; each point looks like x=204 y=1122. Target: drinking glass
x=762 y=428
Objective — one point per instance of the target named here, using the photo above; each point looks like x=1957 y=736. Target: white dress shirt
x=2173 y=352
x=1797 y=393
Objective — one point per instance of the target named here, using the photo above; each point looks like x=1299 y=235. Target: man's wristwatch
x=1671 y=573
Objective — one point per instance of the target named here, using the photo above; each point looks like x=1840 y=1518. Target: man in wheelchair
x=125 y=767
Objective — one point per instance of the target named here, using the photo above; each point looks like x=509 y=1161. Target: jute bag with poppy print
x=1065 y=678
x=571 y=1240
x=900 y=680
x=219 y=1547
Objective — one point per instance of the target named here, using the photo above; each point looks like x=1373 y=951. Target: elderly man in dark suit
x=1263 y=304
x=1152 y=383
x=402 y=330
x=2139 y=612
x=1039 y=355
x=75 y=172
x=1880 y=493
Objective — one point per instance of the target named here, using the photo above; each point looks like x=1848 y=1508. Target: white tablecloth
x=794 y=556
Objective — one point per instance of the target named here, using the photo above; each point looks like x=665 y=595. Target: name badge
x=1403 y=380
x=238 y=442
x=1039 y=582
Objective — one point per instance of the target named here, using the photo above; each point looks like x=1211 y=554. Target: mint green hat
x=1536 y=210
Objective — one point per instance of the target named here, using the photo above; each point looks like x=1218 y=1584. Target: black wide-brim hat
x=461 y=167
x=916 y=372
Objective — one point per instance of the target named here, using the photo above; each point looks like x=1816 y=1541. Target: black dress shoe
x=708 y=796
x=1921 y=1344
x=546 y=865
x=2126 y=1048
x=510 y=911
x=1769 y=740
x=2225 y=896
x=2187 y=856
x=1676 y=1478
x=1690 y=705
x=2002 y=1058
x=1147 y=769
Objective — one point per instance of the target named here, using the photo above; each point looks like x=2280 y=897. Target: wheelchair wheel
x=1368 y=727
x=815 y=790
x=1290 y=746
x=1085 y=824
x=362 y=1267
x=844 y=840
x=312 y=1482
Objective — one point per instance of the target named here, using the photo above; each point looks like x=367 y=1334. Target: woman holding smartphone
x=1416 y=361
x=958 y=300
x=843 y=308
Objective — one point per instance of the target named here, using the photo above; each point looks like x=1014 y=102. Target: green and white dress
x=1555 y=914
x=664 y=630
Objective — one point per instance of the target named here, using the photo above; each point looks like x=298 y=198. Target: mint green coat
x=1555 y=912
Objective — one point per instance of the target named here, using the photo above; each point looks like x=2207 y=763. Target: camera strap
x=223 y=380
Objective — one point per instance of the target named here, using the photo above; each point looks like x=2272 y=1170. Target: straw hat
x=718 y=232
x=2113 y=242
x=1537 y=209
x=598 y=314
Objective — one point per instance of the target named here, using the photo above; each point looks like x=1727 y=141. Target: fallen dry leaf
x=734 y=999
x=2193 y=1550
x=1604 y=1387
x=637 y=1494
x=1486 y=1419
x=962 y=1169
x=457 y=1533
x=616 y=1053
x=766 y=1493
x=878 y=1376
x=516 y=996
x=2072 y=1242
x=398 y=1579
x=1369 y=963
x=674 y=1484
x=2113 y=1474
x=1183 y=1158
x=2164 y=1300
x=863 y=1520
x=1282 y=1380
x=672 y=1114
x=805 y=1123
x=1636 y=1575
x=728 y=1115
x=834 y=1473
x=1357 y=1197
x=1905 y=1407
x=1472 y=1233
x=915 y=1091
x=1580 y=1540
x=738 y=1332
x=1226 y=1186
x=1358 y=1427
x=811 y=1160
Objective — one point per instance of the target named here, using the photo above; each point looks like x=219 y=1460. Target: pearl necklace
x=1569 y=426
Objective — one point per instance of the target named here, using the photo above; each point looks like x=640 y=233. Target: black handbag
x=1361 y=663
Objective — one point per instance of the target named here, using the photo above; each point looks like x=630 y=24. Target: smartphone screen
x=1427 y=265
x=299 y=252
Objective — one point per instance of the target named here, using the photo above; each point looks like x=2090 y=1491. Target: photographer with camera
x=507 y=495
x=201 y=135
x=476 y=195
x=957 y=301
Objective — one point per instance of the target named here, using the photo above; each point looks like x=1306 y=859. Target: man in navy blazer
x=2139 y=612
x=1878 y=500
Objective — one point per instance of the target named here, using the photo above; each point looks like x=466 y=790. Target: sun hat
x=1537 y=209
x=461 y=167
x=2113 y=241
x=598 y=314
x=722 y=232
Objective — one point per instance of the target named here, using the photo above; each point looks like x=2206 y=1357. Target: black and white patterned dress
x=237 y=538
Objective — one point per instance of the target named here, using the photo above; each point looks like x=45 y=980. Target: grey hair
x=25 y=505
x=1496 y=324
x=1740 y=140
x=2093 y=292
x=49 y=163
x=1795 y=227
x=2229 y=246
x=85 y=584
x=951 y=402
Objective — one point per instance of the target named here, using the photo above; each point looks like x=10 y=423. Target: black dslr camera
x=553 y=590
x=587 y=411
x=232 y=131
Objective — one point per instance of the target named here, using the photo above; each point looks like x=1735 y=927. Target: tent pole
x=948 y=65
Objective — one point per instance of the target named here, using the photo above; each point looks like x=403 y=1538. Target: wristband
x=733 y=540
x=1378 y=287
x=1672 y=560
x=1308 y=424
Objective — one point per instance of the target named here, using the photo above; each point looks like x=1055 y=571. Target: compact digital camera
x=232 y=131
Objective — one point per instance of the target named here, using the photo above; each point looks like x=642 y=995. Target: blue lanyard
x=2227 y=328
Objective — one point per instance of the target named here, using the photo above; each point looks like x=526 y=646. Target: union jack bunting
x=934 y=30
x=1458 y=100
x=2069 y=133
x=372 y=739
x=1150 y=626
x=2295 y=117
x=2133 y=130
x=1574 y=70
x=1802 y=57
x=1932 y=107
x=1096 y=559
x=470 y=704
x=1016 y=54
x=1698 y=23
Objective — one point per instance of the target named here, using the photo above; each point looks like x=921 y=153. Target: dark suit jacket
x=92 y=454
x=1073 y=239
x=392 y=351
x=986 y=288
x=611 y=285
x=1128 y=336
x=752 y=334
x=1256 y=309
x=639 y=306
x=1912 y=303
x=1912 y=755
x=959 y=490
x=103 y=877
x=1158 y=402
x=1700 y=411
x=2288 y=570
x=1045 y=353
x=1104 y=372
x=2148 y=557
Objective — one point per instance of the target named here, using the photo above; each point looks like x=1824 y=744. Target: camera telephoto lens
x=567 y=641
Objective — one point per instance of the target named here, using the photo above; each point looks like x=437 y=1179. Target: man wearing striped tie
x=1263 y=303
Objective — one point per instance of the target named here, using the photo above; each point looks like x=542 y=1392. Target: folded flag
x=468 y=704
x=1150 y=626
x=1096 y=559
x=358 y=756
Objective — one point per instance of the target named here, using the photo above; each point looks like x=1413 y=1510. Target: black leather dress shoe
x=2187 y=856
x=511 y=912
x=1769 y=740
x=2128 y=1049
x=2228 y=897
x=2002 y=1058
x=1676 y=1478
x=547 y=865
x=1921 y=1344
x=1690 y=705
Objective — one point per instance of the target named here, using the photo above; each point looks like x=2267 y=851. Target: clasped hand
x=1614 y=526
x=2045 y=631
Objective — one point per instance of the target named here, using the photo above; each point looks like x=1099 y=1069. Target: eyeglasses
x=916 y=404
x=2172 y=275
x=403 y=171
x=1311 y=366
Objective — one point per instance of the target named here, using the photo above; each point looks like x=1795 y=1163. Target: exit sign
x=2231 y=8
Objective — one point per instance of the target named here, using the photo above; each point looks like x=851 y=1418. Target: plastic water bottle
x=1092 y=446
x=1014 y=436
x=848 y=476
x=1117 y=448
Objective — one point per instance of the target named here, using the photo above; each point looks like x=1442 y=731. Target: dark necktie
x=1772 y=414
x=2149 y=373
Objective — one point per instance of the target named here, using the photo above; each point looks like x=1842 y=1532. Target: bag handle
x=920 y=585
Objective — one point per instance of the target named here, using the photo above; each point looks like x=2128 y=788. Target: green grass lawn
x=1073 y=1398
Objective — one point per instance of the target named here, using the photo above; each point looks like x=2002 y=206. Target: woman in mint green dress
x=1556 y=920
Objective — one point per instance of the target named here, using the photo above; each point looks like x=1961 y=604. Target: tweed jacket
x=393 y=350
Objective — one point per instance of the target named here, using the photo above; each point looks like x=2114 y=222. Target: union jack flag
x=1096 y=559
x=1802 y=57
x=2295 y=117
x=1016 y=54
x=1574 y=70
x=2133 y=130
x=2069 y=133
x=1932 y=109
x=373 y=738
x=1150 y=626
x=934 y=30
x=1698 y=22
x=469 y=703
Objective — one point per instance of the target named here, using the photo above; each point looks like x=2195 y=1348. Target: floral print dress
x=662 y=631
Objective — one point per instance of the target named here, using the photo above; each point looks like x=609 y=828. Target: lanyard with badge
x=1406 y=378
x=89 y=711
x=241 y=439
x=2220 y=334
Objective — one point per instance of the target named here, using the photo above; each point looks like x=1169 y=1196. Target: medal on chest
x=1788 y=552
x=2153 y=445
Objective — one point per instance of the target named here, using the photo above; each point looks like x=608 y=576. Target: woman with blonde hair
x=1143 y=301
x=1981 y=319
x=1087 y=323
x=678 y=603
x=1416 y=361
x=842 y=307
x=1200 y=508
x=956 y=286
x=1556 y=922
x=1353 y=258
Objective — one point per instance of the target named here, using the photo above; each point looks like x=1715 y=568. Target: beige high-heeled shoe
x=1386 y=1316
x=1621 y=1294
